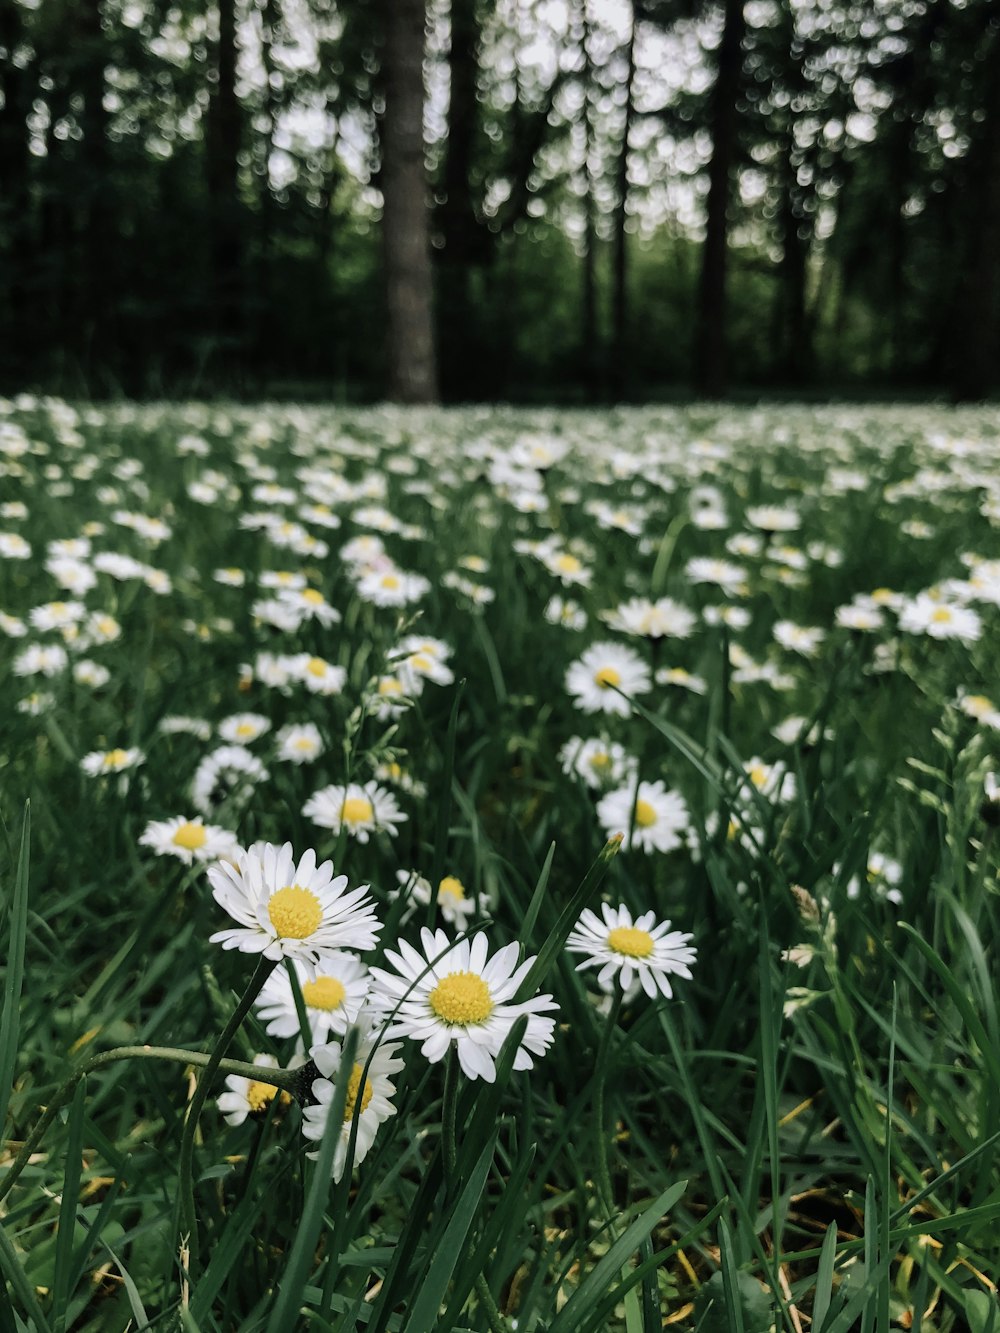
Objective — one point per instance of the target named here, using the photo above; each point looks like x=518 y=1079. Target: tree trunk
x=977 y=340
x=619 y=292
x=589 y=357
x=411 y=369
x=460 y=230
x=222 y=149
x=710 y=337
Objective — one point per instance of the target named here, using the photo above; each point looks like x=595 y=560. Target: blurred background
x=561 y=200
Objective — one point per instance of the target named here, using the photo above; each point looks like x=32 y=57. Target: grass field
x=734 y=670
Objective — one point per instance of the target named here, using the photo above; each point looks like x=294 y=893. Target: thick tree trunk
x=977 y=342
x=223 y=135
x=710 y=336
x=456 y=216
x=411 y=368
x=619 y=290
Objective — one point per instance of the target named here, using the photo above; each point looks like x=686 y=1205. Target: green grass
x=778 y=1145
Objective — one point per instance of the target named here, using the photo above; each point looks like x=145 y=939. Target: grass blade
x=17 y=916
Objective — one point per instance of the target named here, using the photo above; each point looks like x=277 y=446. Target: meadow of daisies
x=494 y=870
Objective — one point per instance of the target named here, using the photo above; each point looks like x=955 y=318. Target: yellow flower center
x=106 y=625
x=394 y=771
x=941 y=614
x=316 y=666
x=353 y=1085
x=390 y=581
x=190 y=836
x=607 y=676
x=420 y=662
x=324 y=993
x=356 y=810
x=284 y=576
x=978 y=703
x=881 y=595
x=462 y=997
x=631 y=941
x=450 y=887
x=246 y=729
x=758 y=775
x=568 y=564
x=304 y=743
x=645 y=814
x=260 y=1095
x=57 y=608
x=600 y=759
x=390 y=685
x=313 y=596
x=295 y=912
x=115 y=758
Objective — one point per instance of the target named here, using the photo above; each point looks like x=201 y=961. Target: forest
x=526 y=200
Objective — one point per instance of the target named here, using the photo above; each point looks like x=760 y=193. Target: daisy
x=457 y=908
x=249 y=1096
x=685 y=679
x=590 y=679
x=318 y=675
x=242 y=728
x=299 y=744
x=940 y=620
x=368 y=1102
x=99 y=762
x=392 y=587
x=454 y=994
x=189 y=840
x=284 y=910
x=773 y=518
x=729 y=577
x=229 y=773
x=598 y=762
x=310 y=604
x=361 y=810
x=651 y=620
x=660 y=816
x=13 y=626
x=390 y=697
x=798 y=638
x=772 y=780
x=424 y=659
x=859 y=617
x=566 y=612
x=41 y=659
x=980 y=707
x=90 y=673
x=333 y=998
x=567 y=568
x=621 y=947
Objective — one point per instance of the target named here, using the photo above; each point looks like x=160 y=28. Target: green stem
x=449 y=1115
x=187 y=1222
x=287 y=1079
x=603 y=1170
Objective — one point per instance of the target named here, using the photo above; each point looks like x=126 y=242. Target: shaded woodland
x=477 y=199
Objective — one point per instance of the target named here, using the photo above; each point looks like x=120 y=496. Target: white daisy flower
x=686 y=680
x=590 y=679
x=249 y=1096
x=774 y=781
x=310 y=604
x=454 y=994
x=333 y=998
x=286 y=910
x=299 y=744
x=361 y=810
x=418 y=659
x=925 y=614
x=600 y=763
x=91 y=674
x=369 y=1102
x=456 y=906
x=566 y=612
x=13 y=626
x=625 y=949
x=317 y=674
x=229 y=773
x=391 y=697
x=242 y=728
x=660 y=816
x=705 y=569
x=773 y=518
x=651 y=620
x=41 y=659
x=392 y=587
x=99 y=762
x=802 y=639
x=189 y=840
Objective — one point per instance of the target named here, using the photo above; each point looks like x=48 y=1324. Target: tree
x=411 y=366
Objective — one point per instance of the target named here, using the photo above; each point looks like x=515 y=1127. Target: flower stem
x=186 y=1220
x=603 y=1171
x=287 y=1079
x=449 y=1114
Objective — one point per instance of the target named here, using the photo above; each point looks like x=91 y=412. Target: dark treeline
x=499 y=198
